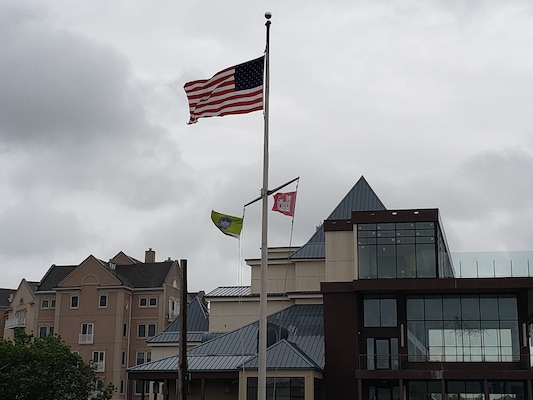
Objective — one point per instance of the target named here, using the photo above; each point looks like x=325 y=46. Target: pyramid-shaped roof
x=197 y=325
x=361 y=197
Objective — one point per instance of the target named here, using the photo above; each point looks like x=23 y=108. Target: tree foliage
x=46 y=369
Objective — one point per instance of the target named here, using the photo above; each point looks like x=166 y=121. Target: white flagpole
x=261 y=384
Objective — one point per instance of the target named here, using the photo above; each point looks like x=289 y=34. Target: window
x=45 y=331
x=139 y=388
x=121 y=387
x=467 y=390
x=53 y=303
x=87 y=333
x=398 y=250
x=98 y=361
x=285 y=388
x=382 y=353
x=124 y=330
x=147 y=301
x=103 y=301
x=123 y=358
x=143 y=356
x=74 y=301
x=45 y=304
x=379 y=312
x=147 y=330
x=506 y=390
x=466 y=328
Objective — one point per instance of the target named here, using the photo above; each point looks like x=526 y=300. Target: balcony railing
x=493 y=264
x=391 y=362
x=86 y=338
x=18 y=322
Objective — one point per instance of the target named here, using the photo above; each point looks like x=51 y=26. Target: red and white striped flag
x=285 y=203
x=234 y=90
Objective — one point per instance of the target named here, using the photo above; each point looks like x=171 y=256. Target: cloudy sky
x=430 y=100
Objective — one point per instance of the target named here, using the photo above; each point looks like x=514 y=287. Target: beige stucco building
x=106 y=310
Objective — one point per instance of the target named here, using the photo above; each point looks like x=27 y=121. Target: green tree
x=46 y=369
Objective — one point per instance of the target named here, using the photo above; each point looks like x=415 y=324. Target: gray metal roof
x=361 y=197
x=197 y=325
x=302 y=324
x=230 y=291
x=283 y=355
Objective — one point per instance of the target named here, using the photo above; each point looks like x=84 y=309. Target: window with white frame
x=145 y=330
x=98 y=361
x=143 y=356
x=102 y=303
x=74 y=301
x=45 y=331
x=87 y=333
x=147 y=301
x=45 y=303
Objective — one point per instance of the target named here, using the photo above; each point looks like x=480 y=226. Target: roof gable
x=90 y=271
x=283 y=355
x=361 y=197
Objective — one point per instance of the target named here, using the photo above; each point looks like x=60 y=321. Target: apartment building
x=106 y=310
x=20 y=312
x=6 y=295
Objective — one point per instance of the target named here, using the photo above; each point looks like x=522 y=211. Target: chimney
x=149 y=256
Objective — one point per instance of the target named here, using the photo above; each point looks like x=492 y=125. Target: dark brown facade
x=348 y=375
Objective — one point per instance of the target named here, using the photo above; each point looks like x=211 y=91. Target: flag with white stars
x=234 y=90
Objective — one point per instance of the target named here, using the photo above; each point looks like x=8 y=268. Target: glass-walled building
x=406 y=329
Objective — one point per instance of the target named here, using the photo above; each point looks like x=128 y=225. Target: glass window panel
x=366 y=234
x=394 y=353
x=424 y=225
x=367 y=258
x=406 y=265
x=386 y=261
x=370 y=354
x=388 y=312
x=470 y=308
x=416 y=345
x=371 y=312
x=386 y=234
x=451 y=309
x=433 y=308
x=405 y=225
x=386 y=227
x=507 y=307
x=415 y=309
x=382 y=354
x=405 y=240
x=488 y=308
x=425 y=232
x=366 y=227
x=425 y=261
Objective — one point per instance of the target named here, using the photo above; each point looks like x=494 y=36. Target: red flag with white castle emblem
x=284 y=203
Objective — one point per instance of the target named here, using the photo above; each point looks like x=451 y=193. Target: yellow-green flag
x=227 y=224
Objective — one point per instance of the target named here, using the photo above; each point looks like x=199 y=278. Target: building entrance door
x=382 y=390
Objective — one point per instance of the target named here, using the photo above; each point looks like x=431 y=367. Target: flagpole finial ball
x=268 y=15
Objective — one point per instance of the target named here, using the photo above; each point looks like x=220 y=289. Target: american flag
x=234 y=90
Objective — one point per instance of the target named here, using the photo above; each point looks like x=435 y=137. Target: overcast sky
x=430 y=100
